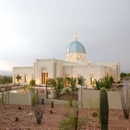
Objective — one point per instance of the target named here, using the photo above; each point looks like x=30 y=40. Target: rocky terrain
x=27 y=120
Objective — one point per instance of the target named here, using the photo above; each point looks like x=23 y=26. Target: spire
x=75 y=36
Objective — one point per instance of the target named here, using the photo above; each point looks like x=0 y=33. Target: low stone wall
x=18 y=98
x=57 y=101
x=113 y=98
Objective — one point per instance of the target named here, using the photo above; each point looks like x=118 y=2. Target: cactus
x=70 y=101
x=104 y=109
x=42 y=101
x=52 y=104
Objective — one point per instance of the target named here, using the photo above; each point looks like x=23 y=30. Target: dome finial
x=75 y=36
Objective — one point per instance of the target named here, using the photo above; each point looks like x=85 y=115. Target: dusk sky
x=40 y=29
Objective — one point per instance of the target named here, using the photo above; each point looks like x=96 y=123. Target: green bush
x=103 y=82
x=51 y=112
x=32 y=82
x=16 y=119
x=94 y=114
x=67 y=90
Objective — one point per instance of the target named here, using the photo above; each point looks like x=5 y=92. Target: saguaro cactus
x=104 y=109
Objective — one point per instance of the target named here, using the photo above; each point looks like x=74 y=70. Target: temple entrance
x=44 y=78
x=44 y=75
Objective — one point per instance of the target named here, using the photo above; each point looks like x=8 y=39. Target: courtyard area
x=50 y=121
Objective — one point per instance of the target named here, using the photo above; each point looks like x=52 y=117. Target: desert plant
x=72 y=82
x=39 y=110
x=16 y=119
x=81 y=82
x=94 y=105
x=104 y=82
x=70 y=101
x=67 y=90
x=32 y=82
x=51 y=112
x=18 y=77
x=73 y=121
x=43 y=101
x=3 y=99
x=6 y=80
x=125 y=101
x=94 y=114
x=113 y=89
x=34 y=100
x=52 y=104
x=57 y=85
x=104 y=109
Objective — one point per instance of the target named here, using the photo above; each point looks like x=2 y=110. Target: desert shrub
x=94 y=105
x=73 y=121
x=57 y=84
x=3 y=99
x=16 y=119
x=32 y=82
x=51 y=112
x=68 y=124
x=94 y=114
x=113 y=89
x=67 y=90
x=70 y=101
x=104 y=82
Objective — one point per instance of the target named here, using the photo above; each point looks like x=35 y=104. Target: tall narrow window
x=44 y=78
x=25 y=78
x=91 y=81
x=66 y=82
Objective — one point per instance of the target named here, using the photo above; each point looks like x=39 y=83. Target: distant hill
x=5 y=72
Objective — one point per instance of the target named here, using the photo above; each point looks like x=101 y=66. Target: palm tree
x=18 y=77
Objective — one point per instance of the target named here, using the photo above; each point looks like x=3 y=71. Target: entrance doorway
x=44 y=77
x=91 y=81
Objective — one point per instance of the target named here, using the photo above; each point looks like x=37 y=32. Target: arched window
x=44 y=76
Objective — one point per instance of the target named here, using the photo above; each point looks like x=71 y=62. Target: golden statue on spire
x=75 y=36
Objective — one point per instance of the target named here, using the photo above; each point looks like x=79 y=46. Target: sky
x=42 y=29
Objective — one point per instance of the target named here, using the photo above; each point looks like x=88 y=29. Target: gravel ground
x=27 y=120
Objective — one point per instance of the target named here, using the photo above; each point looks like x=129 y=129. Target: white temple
x=75 y=64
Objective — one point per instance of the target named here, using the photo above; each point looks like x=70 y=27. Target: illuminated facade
x=75 y=64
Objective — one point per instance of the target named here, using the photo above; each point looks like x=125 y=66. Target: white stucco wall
x=22 y=71
x=59 y=68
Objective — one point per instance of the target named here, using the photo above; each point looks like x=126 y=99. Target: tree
x=122 y=75
x=72 y=82
x=18 y=77
x=57 y=85
x=6 y=80
x=104 y=82
x=81 y=81
x=32 y=82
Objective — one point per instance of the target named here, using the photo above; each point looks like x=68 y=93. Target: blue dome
x=76 y=47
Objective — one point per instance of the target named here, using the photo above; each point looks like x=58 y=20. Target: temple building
x=75 y=64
